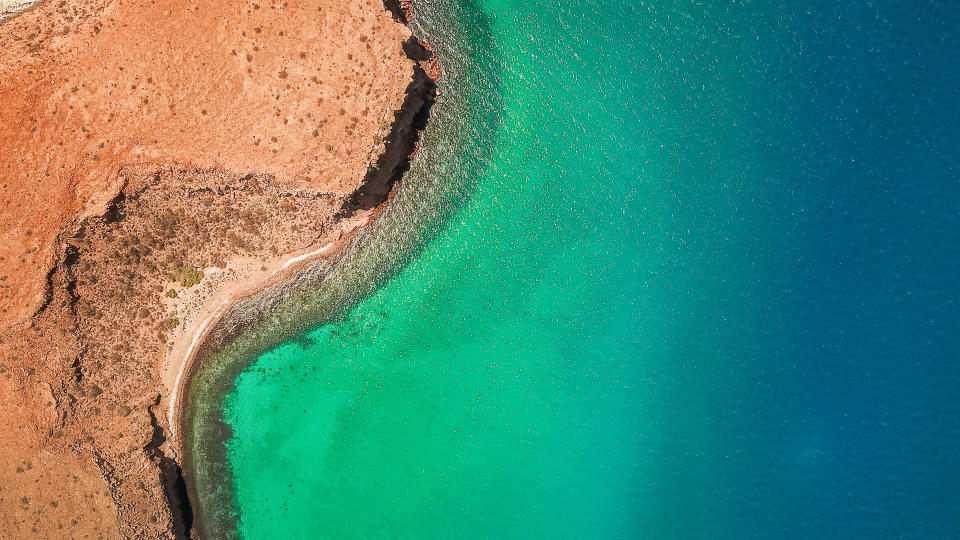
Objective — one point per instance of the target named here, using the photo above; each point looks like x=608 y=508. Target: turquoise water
x=699 y=282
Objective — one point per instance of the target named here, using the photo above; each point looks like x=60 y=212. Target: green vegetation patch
x=187 y=276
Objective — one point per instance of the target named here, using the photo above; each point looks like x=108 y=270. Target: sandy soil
x=301 y=93
x=295 y=89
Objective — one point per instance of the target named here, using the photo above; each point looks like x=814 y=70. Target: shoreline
x=183 y=194
x=183 y=353
x=402 y=144
x=230 y=309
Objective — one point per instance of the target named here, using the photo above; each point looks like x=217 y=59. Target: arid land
x=158 y=159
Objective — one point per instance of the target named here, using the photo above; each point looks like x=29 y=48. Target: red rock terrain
x=140 y=143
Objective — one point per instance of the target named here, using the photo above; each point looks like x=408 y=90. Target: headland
x=159 y=162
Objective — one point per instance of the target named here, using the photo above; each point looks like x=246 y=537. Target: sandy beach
x=246 y=278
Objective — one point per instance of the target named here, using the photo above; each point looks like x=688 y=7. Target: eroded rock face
x=127 y=283
x=148 y=150
x=295 y=90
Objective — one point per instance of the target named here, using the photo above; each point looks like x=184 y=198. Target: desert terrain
x=154 y=157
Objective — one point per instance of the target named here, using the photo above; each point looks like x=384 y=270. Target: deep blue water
x=846 y=417
x=703 y=285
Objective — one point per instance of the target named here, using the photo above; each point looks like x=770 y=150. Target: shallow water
x=700 y=282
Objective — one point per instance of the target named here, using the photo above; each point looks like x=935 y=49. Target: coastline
x=375 y=193
x=215 y=305
x=182 y=193
x=305 y=288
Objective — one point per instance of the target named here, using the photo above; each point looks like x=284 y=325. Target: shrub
x=170 y=323
x=186 y=275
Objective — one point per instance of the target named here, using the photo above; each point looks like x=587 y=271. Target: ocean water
x=687 y=270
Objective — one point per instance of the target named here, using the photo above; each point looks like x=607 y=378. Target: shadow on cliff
x=402 y=142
